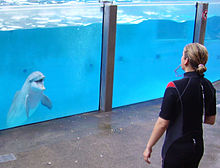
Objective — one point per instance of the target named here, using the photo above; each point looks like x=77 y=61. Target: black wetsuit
x=184 y=105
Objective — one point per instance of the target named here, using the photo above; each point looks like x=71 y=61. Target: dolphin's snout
x=40 y=85
x=43 y=87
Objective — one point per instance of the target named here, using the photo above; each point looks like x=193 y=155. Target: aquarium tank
x=51 y=51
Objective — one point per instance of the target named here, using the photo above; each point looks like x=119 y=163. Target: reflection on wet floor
x=113 y=139
x=104 y=122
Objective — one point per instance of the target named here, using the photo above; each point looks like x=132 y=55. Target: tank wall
x=148 y=49
x=69 y=57
x=64 y=44
x=212 y=42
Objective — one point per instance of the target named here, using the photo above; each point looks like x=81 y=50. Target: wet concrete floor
x=113 y=139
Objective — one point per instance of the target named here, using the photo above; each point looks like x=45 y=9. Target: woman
x=185 y=103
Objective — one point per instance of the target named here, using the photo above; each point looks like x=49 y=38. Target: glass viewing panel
x=56 y=47
x=149 y=43
x=212 y=42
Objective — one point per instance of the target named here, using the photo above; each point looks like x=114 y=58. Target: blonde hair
x=197 y=55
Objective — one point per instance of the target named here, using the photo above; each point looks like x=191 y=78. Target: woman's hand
x=159 y=128
x=147 y=154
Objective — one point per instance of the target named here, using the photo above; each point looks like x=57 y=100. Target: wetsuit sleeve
x=212 y=108
x=169 y=102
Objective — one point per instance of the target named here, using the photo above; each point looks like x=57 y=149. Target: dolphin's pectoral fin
x=27 y=105
x=46 y=102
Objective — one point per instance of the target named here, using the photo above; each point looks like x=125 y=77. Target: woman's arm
x=159 y=128
x=209 y=120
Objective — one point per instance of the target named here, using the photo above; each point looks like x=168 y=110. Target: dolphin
x=28 y=98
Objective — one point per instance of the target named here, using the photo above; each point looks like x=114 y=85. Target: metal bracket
x=200 y=22
x=108 y=56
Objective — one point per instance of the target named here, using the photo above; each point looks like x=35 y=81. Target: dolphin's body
x=28 y=98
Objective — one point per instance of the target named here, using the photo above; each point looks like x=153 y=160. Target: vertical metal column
x=108 y=56
x=200 y=22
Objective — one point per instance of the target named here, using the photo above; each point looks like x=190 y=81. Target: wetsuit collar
x=192 y=75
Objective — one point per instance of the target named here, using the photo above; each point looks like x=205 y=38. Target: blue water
x=65 y=45
x=142 y=70
x=70 y=59
x=148 y=53
x=212 y=41
x=43 y=2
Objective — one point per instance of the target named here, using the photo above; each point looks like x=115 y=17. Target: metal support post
x=108 y=56
x=200 y=22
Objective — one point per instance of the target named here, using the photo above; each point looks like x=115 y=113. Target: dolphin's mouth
x=39 y=81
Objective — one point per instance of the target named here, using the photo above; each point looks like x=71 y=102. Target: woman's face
x=183 y=61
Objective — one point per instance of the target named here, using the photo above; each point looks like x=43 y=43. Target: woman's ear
x=186 y=61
